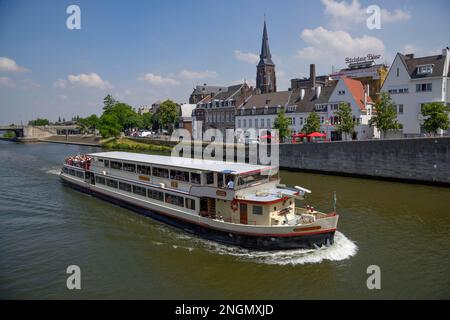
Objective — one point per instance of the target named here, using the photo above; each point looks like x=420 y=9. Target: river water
x=45 y=227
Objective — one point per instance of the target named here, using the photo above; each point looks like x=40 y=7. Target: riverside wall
x=422 y=160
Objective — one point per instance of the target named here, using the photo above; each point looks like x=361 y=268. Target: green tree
x=312 y=123
x=282 y=124
x=109 y=126
x=346 y=124
x=90 y=123
x=385 y=118
x=126 y=116
x=147 y=120
x=436 y=114
x=168 y=114
x=109 y=102
x=39 y=122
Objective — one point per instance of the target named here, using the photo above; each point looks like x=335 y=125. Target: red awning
x=316 y=135
x=299 y=135
x=266 y=137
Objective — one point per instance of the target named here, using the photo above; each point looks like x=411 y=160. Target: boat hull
x=256 y=242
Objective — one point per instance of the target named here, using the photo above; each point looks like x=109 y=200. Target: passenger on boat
x=230 y=184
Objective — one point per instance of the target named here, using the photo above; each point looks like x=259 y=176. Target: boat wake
x=342 y=249
x=53 y=170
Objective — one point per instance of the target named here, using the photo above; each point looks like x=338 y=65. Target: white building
x=412 y=82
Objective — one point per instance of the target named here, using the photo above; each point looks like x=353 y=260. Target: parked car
x=145 y=134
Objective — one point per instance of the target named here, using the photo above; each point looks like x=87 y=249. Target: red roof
x=357 y=90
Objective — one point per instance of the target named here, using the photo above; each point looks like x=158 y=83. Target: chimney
x=312 y=75
x=410 y=56
x=302 y=94
x=366 y=95
x=318 y=91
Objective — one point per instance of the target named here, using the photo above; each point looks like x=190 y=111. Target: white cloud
x=189 y=74
x=29 y=84
x=345 y=14
x=9 y=65
x=248 y=57
x=7 y=82
x=333 y=46
x=60 y=83
x=158 y=80
x=91 y=80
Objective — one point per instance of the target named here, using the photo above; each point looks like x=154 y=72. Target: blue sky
x=141 y=51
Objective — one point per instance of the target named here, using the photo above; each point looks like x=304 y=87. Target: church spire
x=266 y=80
x=265 y=56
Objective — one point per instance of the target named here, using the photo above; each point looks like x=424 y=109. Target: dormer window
x=425 y=69
x=341 y=92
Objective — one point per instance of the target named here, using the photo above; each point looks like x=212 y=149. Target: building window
x=268 y=123
x=245 y=123
x=398 y=72
x=257 y=210
x=423 y=87
x=341 y=92
x=400 y=109
x=262 y=123
x=239 y=123
x=300 y=120
x=250 y=123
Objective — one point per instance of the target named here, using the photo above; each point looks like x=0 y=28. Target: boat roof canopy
x=186 y=163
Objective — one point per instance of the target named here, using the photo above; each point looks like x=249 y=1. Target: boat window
x=111 y=183
x=125 y=186
x=72 y=172
x=210 y=178
x=195 y=178
x=175 y=200
x=144 y=170
x=65 y=170
x=116 y=165
x=157 y=195
x=100 y=180
x=160 y=172
x=141 y=191
x=220 y=180
x=250 y=178
x=257 y=210
x=106 y=163
x=80 y=174
x=130 y=167
x=190 y=203
x=179 y=175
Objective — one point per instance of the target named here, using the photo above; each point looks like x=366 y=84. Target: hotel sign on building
x=365 y=70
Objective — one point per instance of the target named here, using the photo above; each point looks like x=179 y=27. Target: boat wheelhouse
x=234 y=203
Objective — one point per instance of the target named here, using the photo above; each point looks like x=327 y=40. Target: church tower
x=265 y=71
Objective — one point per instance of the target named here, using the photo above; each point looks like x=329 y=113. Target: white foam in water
x=54 y=170
x=342 y=249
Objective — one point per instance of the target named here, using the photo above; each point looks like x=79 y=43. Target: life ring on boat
x=234 y=205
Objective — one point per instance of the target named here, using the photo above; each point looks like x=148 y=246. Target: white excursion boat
x=233 y=203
